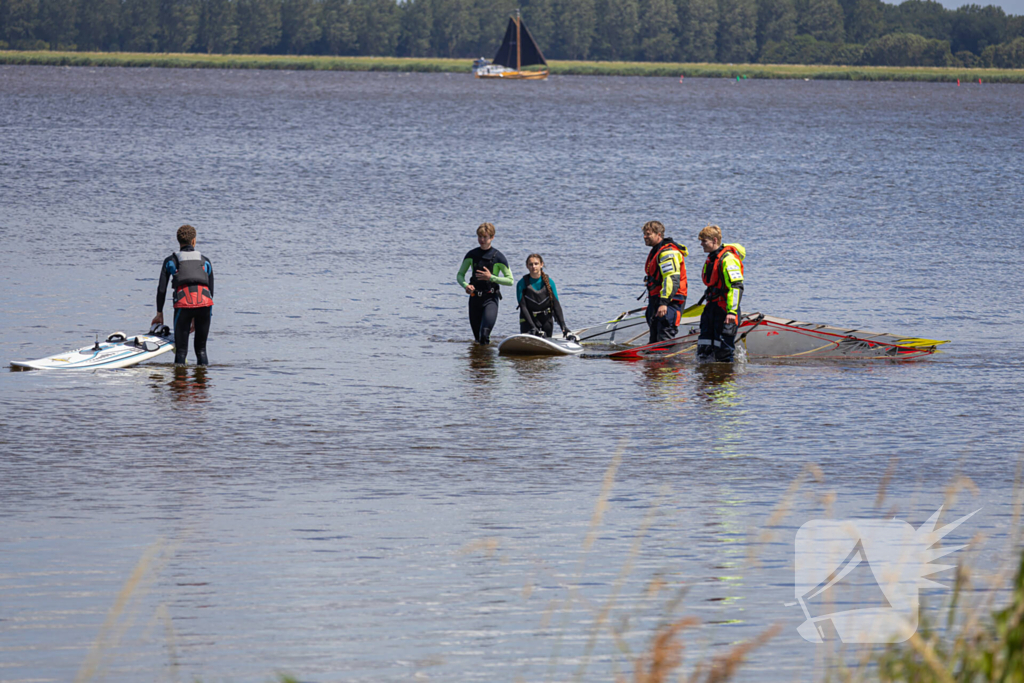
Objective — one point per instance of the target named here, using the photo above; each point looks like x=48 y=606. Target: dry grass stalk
x=602 y=500
x=883 y=485
x=627 y=568
x=488 y=546
x=782 y=510
x=665 y=654
x=120 y=617
x=588 y=542
x=165 y=616
x=927 y=653
x=724 y=666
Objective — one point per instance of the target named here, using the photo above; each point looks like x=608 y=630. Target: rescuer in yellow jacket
x=723 y=276
x=665 y=277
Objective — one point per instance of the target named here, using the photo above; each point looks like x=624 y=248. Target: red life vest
x=712 y=274
x=654 y=277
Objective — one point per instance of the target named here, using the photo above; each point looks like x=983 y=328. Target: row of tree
x=916 y=32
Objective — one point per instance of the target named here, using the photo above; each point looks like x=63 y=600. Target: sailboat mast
x=519 y=54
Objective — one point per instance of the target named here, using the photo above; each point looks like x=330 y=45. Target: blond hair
x=711 y=232
x=486 y=229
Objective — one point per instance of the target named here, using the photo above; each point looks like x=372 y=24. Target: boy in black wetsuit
x=490 y=269
x=192 y=278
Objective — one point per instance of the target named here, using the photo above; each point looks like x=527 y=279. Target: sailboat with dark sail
x=517 y=50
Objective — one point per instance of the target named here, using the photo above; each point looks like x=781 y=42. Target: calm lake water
x=354 y=492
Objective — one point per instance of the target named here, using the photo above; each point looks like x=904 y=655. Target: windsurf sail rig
x=615 y=331
x=765 y=336
x=630 y=327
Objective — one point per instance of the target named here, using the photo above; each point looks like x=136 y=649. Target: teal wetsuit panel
x=537 y=285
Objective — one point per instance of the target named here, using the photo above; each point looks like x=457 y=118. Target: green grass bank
x=318 y=63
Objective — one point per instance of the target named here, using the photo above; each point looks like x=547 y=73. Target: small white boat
x=517 y=50
x=482 y=68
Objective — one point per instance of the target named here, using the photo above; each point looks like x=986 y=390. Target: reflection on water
x=665 y=381
x=716 y=383
x=720 y=388
x=187 y=384
x=482 y=362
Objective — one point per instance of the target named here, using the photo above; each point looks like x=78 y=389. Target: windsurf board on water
x=532 y=345
x=118 y=351
x=658 y=350
x=765 y=336
x=630 y=328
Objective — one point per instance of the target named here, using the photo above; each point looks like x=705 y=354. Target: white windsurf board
x=532 y=345
x=118 y=351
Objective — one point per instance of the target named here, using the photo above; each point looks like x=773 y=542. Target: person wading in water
x=665 y=277
x=539 y=307
x=191 y=274
x=490 y=270
x=723 y=276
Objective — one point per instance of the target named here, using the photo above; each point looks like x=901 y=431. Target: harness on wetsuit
x=539 y=306
x=485 y=287
x=536 y=301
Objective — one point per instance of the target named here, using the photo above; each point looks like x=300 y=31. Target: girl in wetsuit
x=538 y=301
x=489 y=270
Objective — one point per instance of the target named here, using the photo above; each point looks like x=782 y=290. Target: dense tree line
x=914 y=33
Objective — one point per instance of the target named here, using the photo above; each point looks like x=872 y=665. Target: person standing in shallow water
x=723 y=276
x=489 y=269
x=191 y=275
x=665 y=277
x=537 y=295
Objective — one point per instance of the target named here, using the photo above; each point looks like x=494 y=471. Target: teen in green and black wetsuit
x=539 y=307
x=490 y=269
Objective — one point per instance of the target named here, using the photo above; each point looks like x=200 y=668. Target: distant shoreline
x=578 y=68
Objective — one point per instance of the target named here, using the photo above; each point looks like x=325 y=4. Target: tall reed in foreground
x=125 y=611
x=982 y=644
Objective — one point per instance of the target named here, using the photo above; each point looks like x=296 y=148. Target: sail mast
x=519 y=53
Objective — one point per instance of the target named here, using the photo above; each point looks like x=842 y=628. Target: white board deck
x=532 y=345
x=103 y=355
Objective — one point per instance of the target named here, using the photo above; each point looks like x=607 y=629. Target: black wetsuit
x=483 y=304
x=184 y=317
x=537 y=311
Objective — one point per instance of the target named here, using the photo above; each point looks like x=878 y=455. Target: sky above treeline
x=1009 y=6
